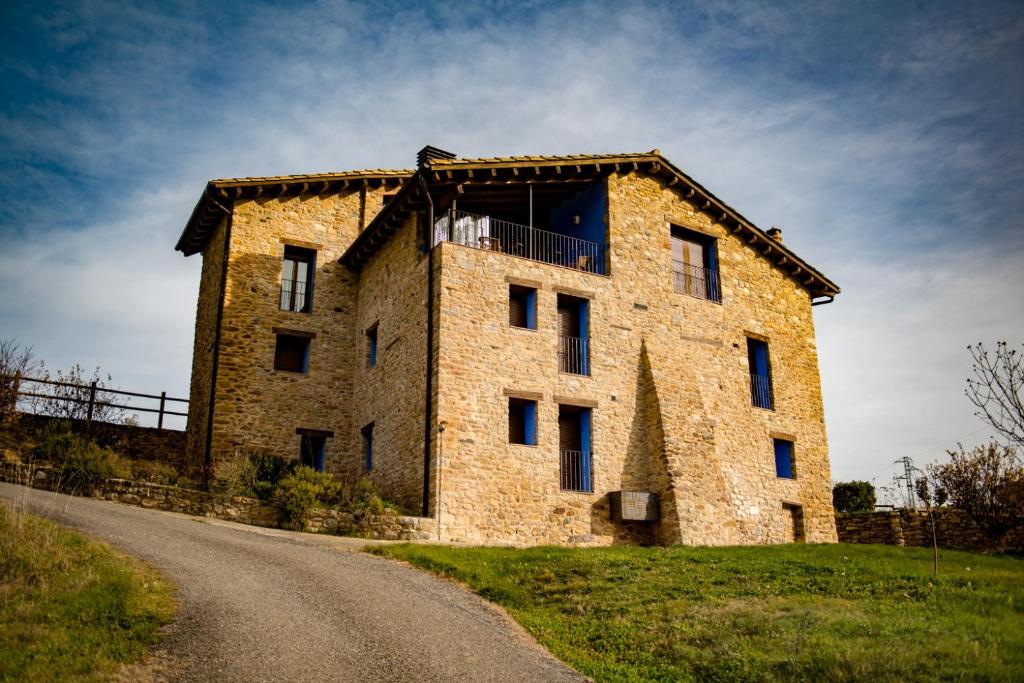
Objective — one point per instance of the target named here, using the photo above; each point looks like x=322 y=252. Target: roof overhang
x=219 y=196
x=447 y=178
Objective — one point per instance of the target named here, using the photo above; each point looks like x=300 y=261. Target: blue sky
x=884 y=138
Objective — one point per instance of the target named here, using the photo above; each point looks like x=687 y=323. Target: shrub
x=366 y=500
x=78 y=462
x=853 y=496
x=255 y=475
x=54 y=442
x=301 y=491
x=88 y=465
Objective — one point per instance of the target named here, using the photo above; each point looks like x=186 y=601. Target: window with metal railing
x=695 y=265
x=761 y=394
x=574 y=449
x=573 y=335
x=297 y=279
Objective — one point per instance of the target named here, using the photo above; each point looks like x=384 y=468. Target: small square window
x=291 y=353
x=522 y=307
x=371 y=347
x=785 y=465
x=367 y=433
x=522 y=421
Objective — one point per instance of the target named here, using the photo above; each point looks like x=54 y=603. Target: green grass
x=778 y=613
x=71 y=608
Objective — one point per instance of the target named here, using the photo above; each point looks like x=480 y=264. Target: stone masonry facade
x=667 y=386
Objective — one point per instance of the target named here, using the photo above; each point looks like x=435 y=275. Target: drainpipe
x=428 y=403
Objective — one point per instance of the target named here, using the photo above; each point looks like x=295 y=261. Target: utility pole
x=908 y=478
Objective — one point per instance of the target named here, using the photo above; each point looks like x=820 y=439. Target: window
x=311 y=450
x=522 y=421
x=695 y=265
x=760 y=374
x=573 y=335
x=297 y=279
x=785 y=467
x=367 y=433
x=291 y=353
x=574 y=433
x=794 y=515
x=371 y=347
x=522 y=307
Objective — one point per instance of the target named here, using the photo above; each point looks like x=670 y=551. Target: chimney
x=775 y=233
x=428 y=154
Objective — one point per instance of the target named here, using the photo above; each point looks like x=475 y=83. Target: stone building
x=572 y=349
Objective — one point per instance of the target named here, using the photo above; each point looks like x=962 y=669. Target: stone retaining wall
x=954 y=529
x=232 y=508
x=143 y=443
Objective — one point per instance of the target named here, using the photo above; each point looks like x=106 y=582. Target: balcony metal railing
x=574 y=355
x=293 y=295
x=574 y=471
x=761 y=391
x=696 y=281
x=490 y=234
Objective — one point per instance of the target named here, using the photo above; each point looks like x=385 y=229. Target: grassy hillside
x=71 y=608
x=797 y=612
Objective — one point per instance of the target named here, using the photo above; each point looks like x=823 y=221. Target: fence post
x=92 y=401
x=160 y=417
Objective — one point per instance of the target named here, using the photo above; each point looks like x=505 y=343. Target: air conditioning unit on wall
x=634 y=506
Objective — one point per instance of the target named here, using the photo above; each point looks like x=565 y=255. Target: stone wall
x=207 y=305
x=144 y=443
x=258 y=408
x=392 y=394
x=669 y=390
x=954 y=529
x=232 y=508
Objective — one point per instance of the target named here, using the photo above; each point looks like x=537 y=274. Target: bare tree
x=15 y=362
x=996 y=389
x=69 y=399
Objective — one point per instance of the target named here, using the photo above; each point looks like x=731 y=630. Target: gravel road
x=269 y=605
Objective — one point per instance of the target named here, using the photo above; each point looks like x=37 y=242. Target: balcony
x=761 y=392
x=503 y=237
x=696 y=281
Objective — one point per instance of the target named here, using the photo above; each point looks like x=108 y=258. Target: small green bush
x=83 y=468
x=301 y=491
x=78 y=463
x=54 y=442
x=853 y=496
x=367 y=500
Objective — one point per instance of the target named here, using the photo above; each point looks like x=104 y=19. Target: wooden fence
x=89 y=395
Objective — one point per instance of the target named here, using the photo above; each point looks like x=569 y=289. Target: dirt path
x=260 y=605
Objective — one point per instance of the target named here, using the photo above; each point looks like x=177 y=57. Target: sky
x=884 y=138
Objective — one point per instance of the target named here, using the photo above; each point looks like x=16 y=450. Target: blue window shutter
x=531 y=309
x=761 y=359
x=783 y=459
x=530 y=423
x=585 y=336
x=585 y=431
x=318 y=456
